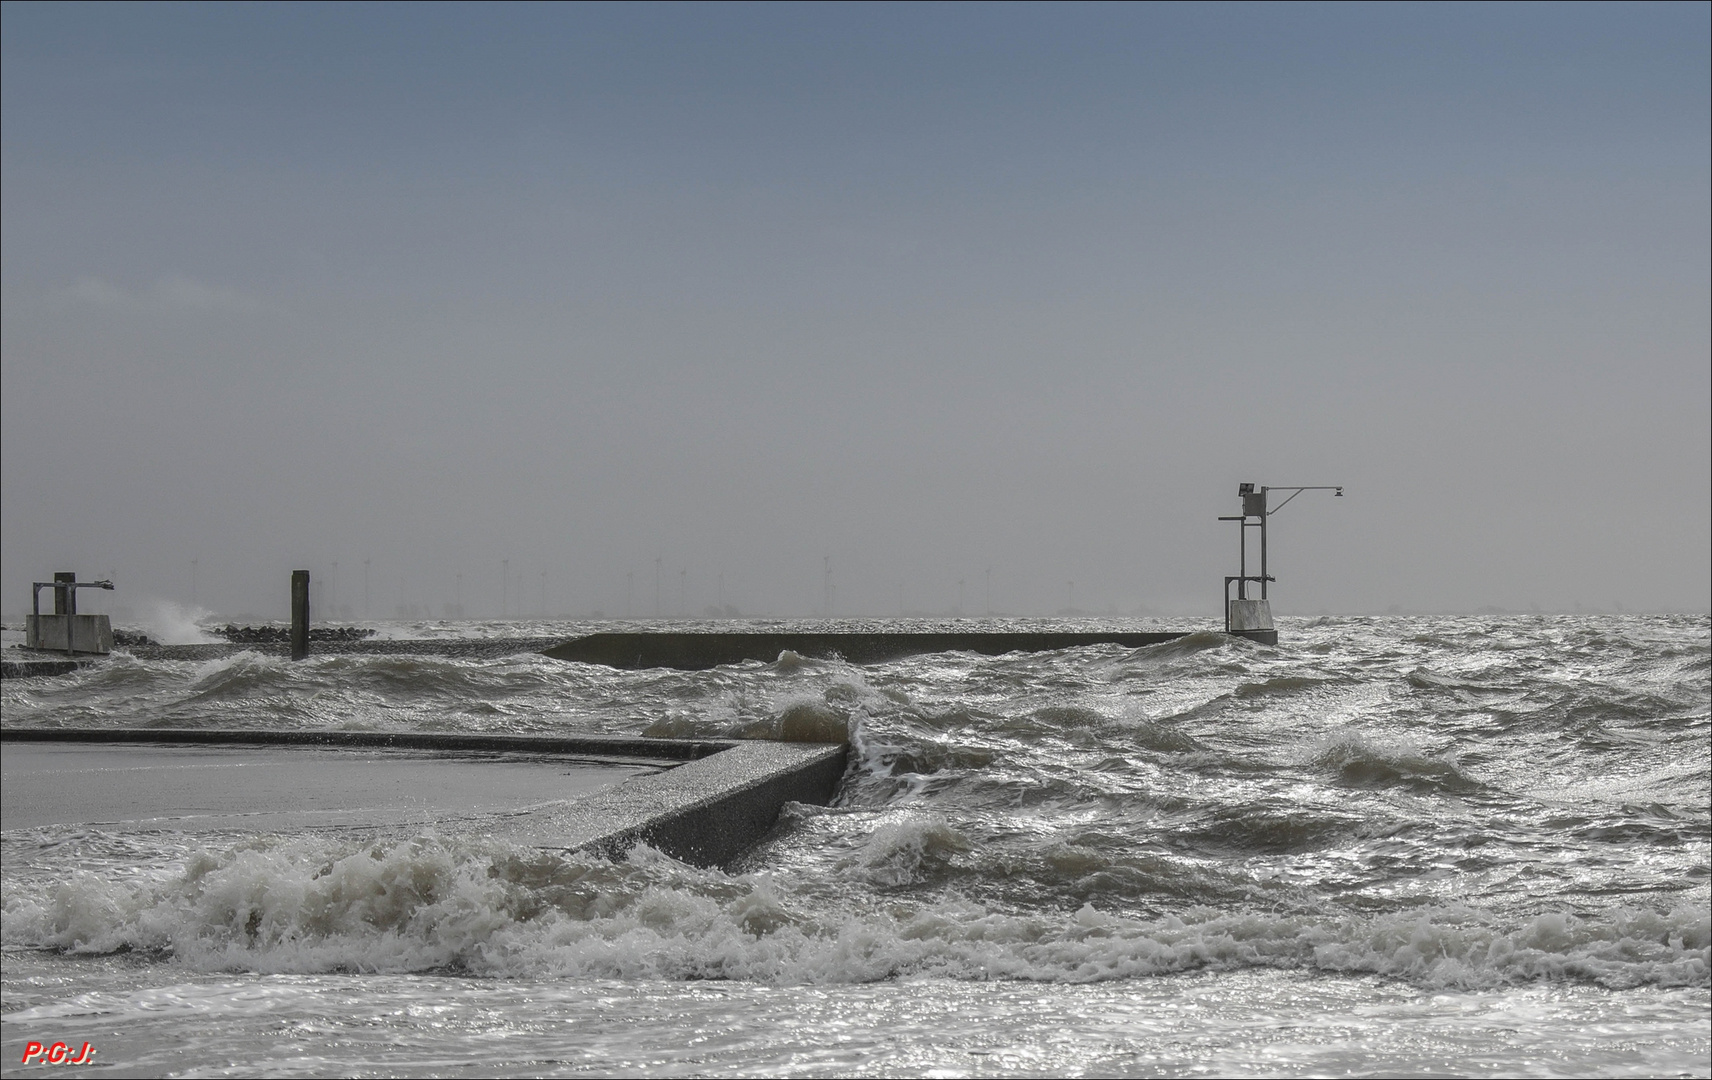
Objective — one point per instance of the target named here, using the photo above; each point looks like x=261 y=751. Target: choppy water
x=1387 y=846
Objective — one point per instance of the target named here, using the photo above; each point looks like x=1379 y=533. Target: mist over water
x=1413 y=824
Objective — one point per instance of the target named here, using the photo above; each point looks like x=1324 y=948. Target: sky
x=642 y=309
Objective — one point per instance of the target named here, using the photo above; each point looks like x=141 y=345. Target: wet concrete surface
x=277 y=788
x=703 y=801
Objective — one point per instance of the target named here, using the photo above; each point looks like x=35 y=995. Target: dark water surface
x=1386 y=846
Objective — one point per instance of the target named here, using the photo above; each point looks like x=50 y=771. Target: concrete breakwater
x=700 y=800
x=25 y=663
x=697 y=651
x=456 y=648
x=686 y=650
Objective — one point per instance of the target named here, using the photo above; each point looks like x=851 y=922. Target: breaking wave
x=1362 y=760
x=432 y=903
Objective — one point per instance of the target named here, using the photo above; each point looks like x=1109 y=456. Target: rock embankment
x=281 y=635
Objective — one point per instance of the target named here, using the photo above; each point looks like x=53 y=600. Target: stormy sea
x=1386 y=846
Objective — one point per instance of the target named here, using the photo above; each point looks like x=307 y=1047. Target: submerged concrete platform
x=696 y=651
x=30 y=665
x=277 y=788
x=703 y=801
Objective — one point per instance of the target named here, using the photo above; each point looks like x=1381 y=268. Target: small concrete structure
x=65 y=630
x=92 y=634
x=1253 y=619
x=697 y=651
x=703 y=801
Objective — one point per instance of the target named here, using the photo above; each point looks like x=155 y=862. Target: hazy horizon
x=916 y=292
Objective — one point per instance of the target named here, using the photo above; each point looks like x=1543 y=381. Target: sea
x=1387 y=846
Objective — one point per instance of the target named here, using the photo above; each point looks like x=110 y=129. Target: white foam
x=431 y=902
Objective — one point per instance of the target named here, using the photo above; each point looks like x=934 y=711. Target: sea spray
x=429 y=902
x=1490 y=834
x=171 y=623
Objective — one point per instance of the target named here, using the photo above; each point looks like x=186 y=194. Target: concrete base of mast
x=1252 y=619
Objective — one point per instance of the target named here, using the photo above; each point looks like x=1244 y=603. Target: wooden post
x=299 y=614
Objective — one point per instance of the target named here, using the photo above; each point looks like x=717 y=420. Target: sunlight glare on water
x=1385 y=847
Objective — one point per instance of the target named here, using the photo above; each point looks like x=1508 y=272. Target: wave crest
x=1366 y=762
x=430 y=903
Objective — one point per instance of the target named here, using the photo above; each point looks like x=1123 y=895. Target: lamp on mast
x=1246 y=616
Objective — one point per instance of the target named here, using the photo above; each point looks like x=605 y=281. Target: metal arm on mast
x=1265 y=498
x=1253 y=618
x=1336 y=488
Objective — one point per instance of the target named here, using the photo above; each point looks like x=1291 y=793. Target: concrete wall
x=707 y=812
x=29 y=669
x=87 y=633
x=1253 y=619
x=1250 y=615
x=696 y=651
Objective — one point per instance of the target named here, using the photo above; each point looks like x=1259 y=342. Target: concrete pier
x=691 y=651
x=457 y=648
x=124 y=788
x=706 y=812
x=704 y=801
x=697 y=651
